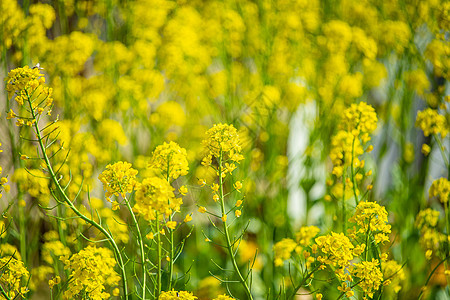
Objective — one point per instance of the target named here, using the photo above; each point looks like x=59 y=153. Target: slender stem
x=71 y=205
x=344 y=214
x=353 y=171
x=141 y=246
x=304 y=280
x=158 y=272
x=446 y=265
x=442 y=149
x=23 y=242
x=227 y=235
x=431 y=274
x=171 y=252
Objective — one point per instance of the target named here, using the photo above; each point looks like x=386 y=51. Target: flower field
x=224 y=149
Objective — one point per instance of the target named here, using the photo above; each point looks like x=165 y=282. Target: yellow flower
x=238 y=203
x=202 y=209
x=118 y=178
x=237 y=213
x=183 y=190
x=369 y=274
x=174 y=295
x=155 y=195
x=237 y=185
x=426 y=149
x=359 y=119
x=440 y=188
x=337 y=249
x=188 y=218
x=215 y=187
x=306 y=234
x=171 y=224
x=171 y=160
x=224 y=218
x=92 y=272
x=14 y=275
x=371 y=216
x=28 y=82
x=222 y=141
x=223 y=297
x=431 y=122
x=282 y=250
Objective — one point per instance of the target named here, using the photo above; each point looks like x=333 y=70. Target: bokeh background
x=128 y=75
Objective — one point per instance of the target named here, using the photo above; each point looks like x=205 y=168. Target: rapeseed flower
x=155 y=196
x=170 y=159
x=176 y=295
x=92 y=272
x=440 y=188
x=118 y=179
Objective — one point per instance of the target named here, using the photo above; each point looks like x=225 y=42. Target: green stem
x=141 y=246
x=227 y=234
x=353 y=172
x=158 y=272
x=441 y=147
x=344 y=214
x=304 y=280
x=71 y=205
x=23 y=242
x=171 y=252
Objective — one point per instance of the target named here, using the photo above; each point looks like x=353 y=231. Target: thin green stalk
x=141 y=246
x=23 y=242
x=304 y=281
x=446 y=265
x=344 y=214
x=353 y=172
x=171 y=252
x=71 y=205
x=158 y=272
x=442 y=149
x=227 y=235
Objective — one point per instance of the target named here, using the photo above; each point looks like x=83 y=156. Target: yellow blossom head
x=155 y=195
x=118 y=178
x=170 y=159
x=222 y=142
x=176 y=295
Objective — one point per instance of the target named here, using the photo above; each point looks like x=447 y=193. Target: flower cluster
x=336 y=248
x=440 y=188
x=13 y=271
x=344 y=149
x=282 y=250
x=223 y=297
x=118 y=178
x=170 y=159
x=369 y=274
x=359 y=119
x=306 y=234
x=3 y=181
x=155 y=196
x=357 y=123
x=394 y=274
x=431 y=122
x=34 y=182
x=54 y=249
x=92 y=272
x=222 y=142
x=28 y=84
x=176 y=295
x=430 y=237
x=371 y=217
